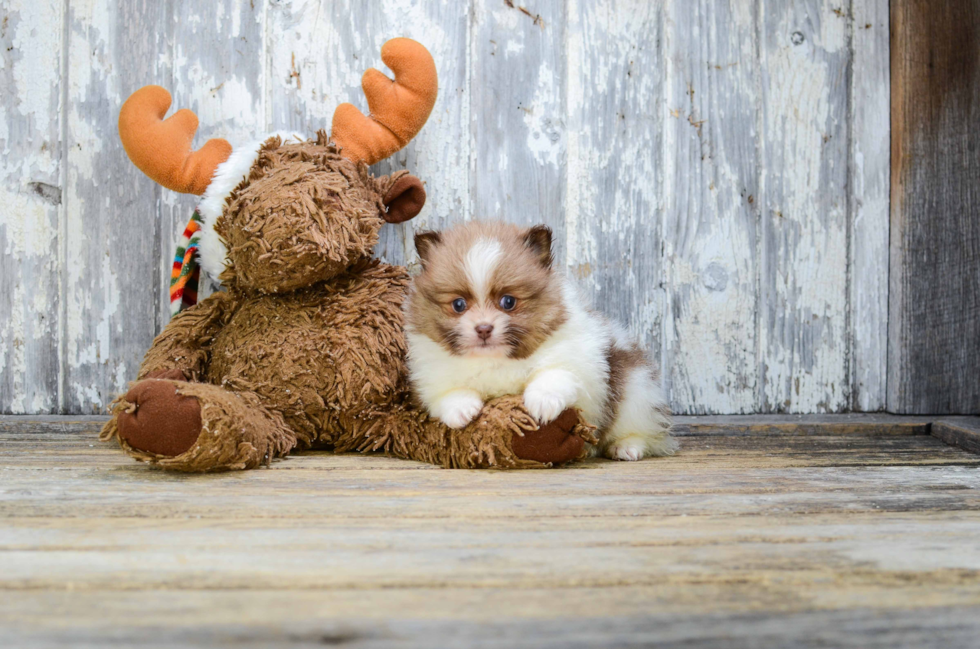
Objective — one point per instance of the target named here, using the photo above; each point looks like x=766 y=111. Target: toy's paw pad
x=543 y=404
x=628 y=450
x=458 y=410
x=553 y=442
x=159 y=420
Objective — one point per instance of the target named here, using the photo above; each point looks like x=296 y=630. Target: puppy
x=488 y=316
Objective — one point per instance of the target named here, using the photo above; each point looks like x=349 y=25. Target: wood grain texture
x=803 y=256
x=614 y=169
x=868 y=174
x=934 y=320
x=820 y=425
x=517 y=99
x=355 y=621
x=112 y=232
x=32 y=79
x=963 y=432
x=755 y=540
x=710 y=233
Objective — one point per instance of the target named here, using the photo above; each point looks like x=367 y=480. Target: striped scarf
x=187 y=270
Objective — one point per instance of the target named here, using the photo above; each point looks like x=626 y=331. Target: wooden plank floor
x=763 y=532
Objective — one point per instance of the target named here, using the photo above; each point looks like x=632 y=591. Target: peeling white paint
x=37 y=52
x=18 y=358
x=709 y=242
x=4 y=129
x=24 y=220
x=803 y=341
x=226 y=104
x=869 y=186
x=30 y=204
x=615 y=161
x=517 y=119
x=544 y=126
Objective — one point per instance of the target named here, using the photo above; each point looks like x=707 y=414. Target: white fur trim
x=213 y=254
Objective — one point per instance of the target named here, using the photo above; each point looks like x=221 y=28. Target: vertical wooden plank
x=518 y=113
x=219 y=72
x=113 y=250
x=803 y=261
x=31 y=69
x=614 y=169
x=712 y=199
x=318 y=50
x=868 y=203
x=934 y=319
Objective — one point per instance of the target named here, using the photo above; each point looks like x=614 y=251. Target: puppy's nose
x=484 y=331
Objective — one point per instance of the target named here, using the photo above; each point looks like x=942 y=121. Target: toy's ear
x=538 y=240
x=404 y=199
x=425 y=242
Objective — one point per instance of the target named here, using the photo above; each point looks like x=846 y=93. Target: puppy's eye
x=459 y=305
x=508 y=302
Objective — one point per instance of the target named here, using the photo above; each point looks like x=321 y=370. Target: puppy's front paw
x=543 y=404
x=460 y=409
x=628 y=450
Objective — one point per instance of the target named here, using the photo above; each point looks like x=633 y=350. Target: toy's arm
x=183 y=345
x=502 y=436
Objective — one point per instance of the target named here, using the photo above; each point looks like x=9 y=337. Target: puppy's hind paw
x=626 y=450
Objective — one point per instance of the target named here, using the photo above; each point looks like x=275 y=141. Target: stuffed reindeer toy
x=305 y=346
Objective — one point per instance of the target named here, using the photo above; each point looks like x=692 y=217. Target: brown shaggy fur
x=306 y=347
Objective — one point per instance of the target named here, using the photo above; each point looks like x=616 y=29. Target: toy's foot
x=196 y=427
x=159 y=420
x=554 y=442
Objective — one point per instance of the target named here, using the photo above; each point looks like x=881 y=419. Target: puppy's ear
x=538 y=240
x=425 y=242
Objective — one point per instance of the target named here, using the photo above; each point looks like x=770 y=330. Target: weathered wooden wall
x=716 y=171
x=934 y=325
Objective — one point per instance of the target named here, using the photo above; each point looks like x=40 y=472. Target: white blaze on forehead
x=481 y=261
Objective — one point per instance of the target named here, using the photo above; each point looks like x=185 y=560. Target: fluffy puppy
x=488 y=316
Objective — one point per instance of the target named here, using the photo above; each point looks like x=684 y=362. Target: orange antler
x=162 y=148
x=398 y=108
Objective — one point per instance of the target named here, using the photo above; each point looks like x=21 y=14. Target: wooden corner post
x=934 y=300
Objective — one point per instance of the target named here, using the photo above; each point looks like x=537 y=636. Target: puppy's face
x=486 y=289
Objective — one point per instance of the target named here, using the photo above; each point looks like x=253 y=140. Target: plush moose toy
x=305 y=346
